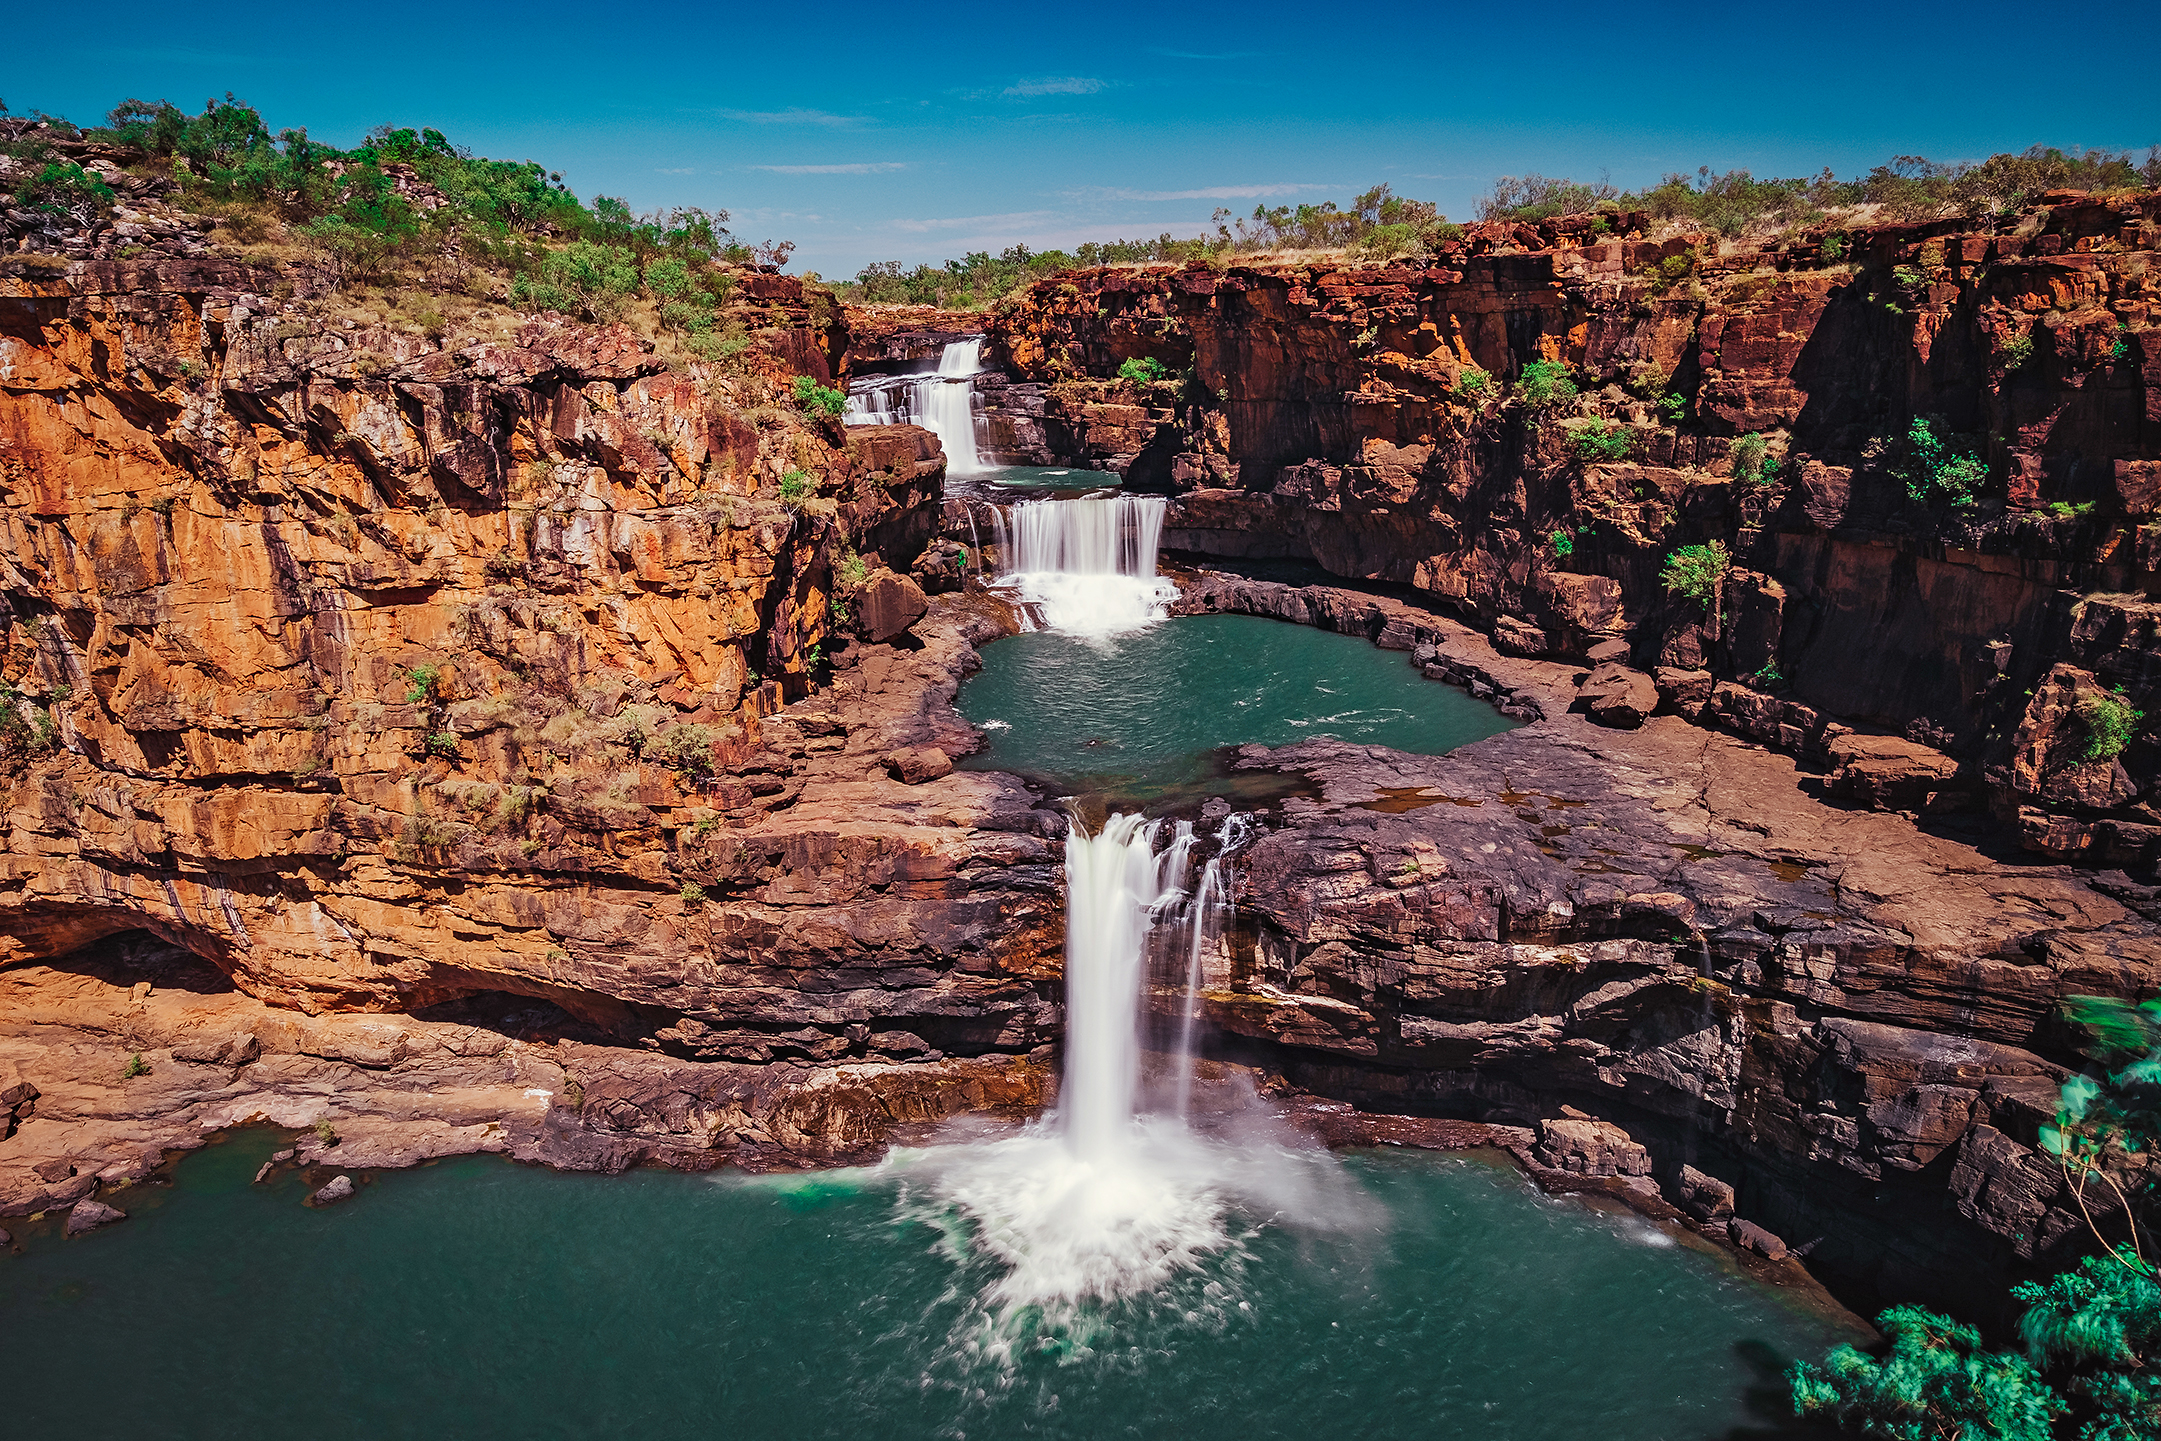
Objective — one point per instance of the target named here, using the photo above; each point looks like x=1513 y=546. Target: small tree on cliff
x=2095 y=1330
x=1699 y=572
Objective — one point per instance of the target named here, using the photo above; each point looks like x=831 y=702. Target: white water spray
x=1087 y=566
x=1104 y=1201
x=942 y=402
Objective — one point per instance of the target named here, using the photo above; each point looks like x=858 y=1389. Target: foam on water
x=1084 y=566
x=1104 y=1203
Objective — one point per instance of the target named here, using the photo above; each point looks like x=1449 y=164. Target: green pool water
x=1147 y=714
x=476 y=1298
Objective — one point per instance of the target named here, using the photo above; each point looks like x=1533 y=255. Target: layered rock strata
x=1371 y=419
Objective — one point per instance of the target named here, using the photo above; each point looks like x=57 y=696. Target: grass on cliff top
x=406 y=228
x=1380 y=225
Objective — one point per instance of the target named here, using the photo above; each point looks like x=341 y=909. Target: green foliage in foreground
x=819 y=399
x=373 y=210
x=1603 y=442
x=2092 y=1335
x=1938 y=466
x=1545 y=384
x=1143 y=369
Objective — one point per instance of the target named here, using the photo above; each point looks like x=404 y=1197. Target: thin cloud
x=1058 y=85
x=868 y=167
x=1210 y=192
x=1190 y=55
x=686 y=170
x=794 y=116
x=1019 y=217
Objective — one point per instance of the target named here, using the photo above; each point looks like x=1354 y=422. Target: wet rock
x=1619 y=697
x=1751 y=1237
x=1705 y=1197
x=338 y=1188
x=888 y=605
x=87 y=1216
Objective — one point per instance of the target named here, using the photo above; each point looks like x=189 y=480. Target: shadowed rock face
x=1358 y=417
x=1845 y=1016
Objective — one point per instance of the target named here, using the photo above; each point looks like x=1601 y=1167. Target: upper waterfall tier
x=942 y=402
x=1087 y=566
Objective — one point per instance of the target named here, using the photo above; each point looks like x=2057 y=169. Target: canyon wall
x=1355 y=417
x=385 y=671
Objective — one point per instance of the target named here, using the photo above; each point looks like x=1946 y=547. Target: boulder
x=1610 y=651
x=1705 y=1197
x=1590 y=1148
x=1888 y=772
x=1512 y=636
x=6 y=1237
x=1687 y=691
x=339 y=1188
x=86 y=1216
x=1751 y=1237
x=1620 y=697
x=888 y=604
x=924 y=763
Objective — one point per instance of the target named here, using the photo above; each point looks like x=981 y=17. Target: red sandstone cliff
x=1324 y=416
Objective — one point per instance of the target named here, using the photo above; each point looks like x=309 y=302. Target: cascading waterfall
x=1087 y=566
x=1104 y=1199
x=942 y=402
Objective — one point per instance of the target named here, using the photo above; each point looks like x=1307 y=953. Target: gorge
x=528 y=739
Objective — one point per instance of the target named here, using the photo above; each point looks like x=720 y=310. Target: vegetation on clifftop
x=404 y=211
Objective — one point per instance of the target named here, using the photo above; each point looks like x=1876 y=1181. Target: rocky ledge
x=1837 y=1019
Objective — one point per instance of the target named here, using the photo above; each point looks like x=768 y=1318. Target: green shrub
x=421 y=681
x=2015 y=351
x=693 y=894
x=1564 y=544
x=1937 y=1382
x=2111 y=724
x=1545 y=384
x=1905 y=277
x=442 y=743
x=1142 y=369
x=797 y=486
x=136 y=1067
x=2067 y=510
x=1473 y=384
x=1752 y=465
x=2121 y=350
x=584 y=278
x=1603 y=442
x=819 y=399
x=1699 y=573
x=1939 y=467
x=685 y=748
x=1835 y=248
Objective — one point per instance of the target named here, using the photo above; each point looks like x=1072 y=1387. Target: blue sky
x=914 y=132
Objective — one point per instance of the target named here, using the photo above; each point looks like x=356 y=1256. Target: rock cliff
x=1355 y=416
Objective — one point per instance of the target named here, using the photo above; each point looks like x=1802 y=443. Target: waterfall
x=942 y=402
x=1107 y=1198
x=1205 y=917
x=1117 y=886
x=1085 y=567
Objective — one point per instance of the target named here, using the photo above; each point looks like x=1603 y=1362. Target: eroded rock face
x=382 y=672
x=1357 y=417
x=1844 y=1018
